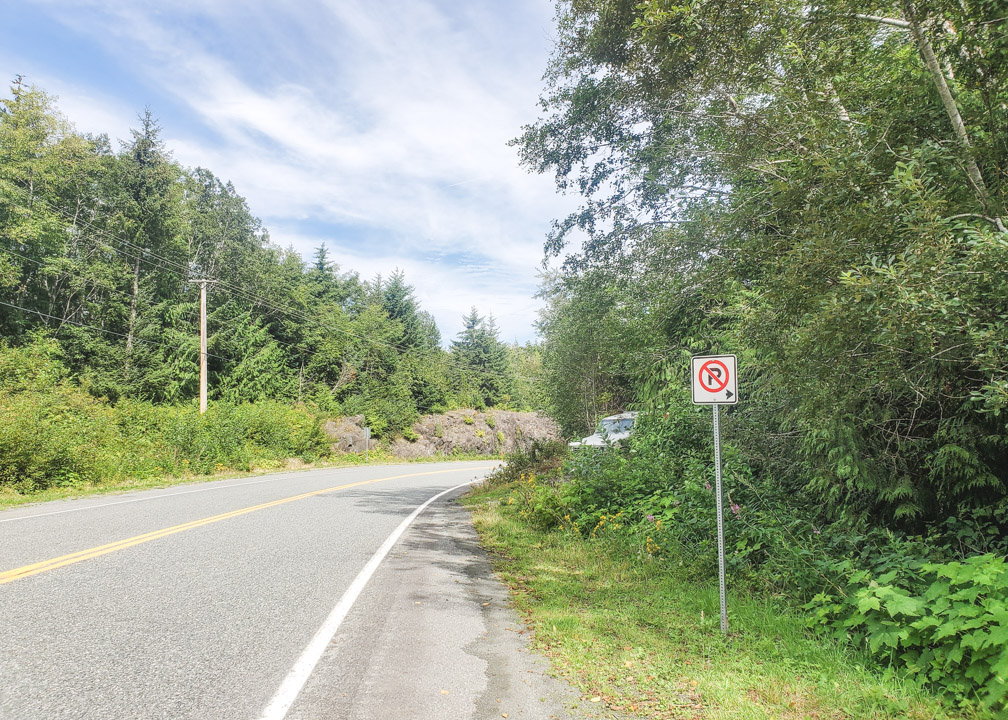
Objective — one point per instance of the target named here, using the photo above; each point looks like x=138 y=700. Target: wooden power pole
x=203 y=350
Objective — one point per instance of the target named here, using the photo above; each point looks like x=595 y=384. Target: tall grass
x=55 y=435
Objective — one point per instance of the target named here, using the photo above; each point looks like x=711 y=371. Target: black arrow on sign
x=728 y=395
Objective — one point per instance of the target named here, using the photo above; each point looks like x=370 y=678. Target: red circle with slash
x=722 y=382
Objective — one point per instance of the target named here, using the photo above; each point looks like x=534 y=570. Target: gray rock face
x=347 y=434
x=458 y=431
x=469 y=431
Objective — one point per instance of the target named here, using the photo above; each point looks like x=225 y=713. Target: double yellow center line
x=64 y=560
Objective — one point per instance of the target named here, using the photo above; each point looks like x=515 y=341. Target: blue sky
x=378 y=129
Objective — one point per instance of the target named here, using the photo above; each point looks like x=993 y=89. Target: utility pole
x=203 y=349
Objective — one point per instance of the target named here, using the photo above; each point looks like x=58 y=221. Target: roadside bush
x=54 y=438
x=662 y=487
x=55 y=434
x=36 y=366
x=538 y=504
x=540 y=458
x=932 y=609
x=945 y=624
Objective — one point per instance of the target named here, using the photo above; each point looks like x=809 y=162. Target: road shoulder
x=433 y=636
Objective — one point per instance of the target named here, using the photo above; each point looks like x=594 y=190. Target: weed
x=635 y=630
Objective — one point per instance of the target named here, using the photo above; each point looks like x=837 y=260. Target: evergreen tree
x=479 y=352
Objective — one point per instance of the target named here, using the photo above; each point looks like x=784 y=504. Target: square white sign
x=714 y=379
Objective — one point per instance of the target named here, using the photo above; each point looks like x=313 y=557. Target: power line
x=258 y=299
x=255 y=298
x=96 y=329
x=76 y=219
x=63 y=275
x=189 y=318
x=66 y=274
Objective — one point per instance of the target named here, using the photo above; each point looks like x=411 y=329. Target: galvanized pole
x=203 y=350
x=720 y=521
x=367 y=444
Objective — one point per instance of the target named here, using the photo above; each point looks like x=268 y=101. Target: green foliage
x=586 y=351
x=784 y=182
x=98 y=251
x=57 y=435
x=947 y=628
x=806 y=186
x=657 y=497
x=468 y=419
x=485 y=360
x=542 y=459
x=537 y=504
x=640 y=632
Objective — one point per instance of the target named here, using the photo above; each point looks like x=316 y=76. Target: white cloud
x=392 y=119
x=447 y=292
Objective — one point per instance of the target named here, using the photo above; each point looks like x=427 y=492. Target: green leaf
x=868 y=603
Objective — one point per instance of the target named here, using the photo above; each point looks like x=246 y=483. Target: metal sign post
x=714 y=381
x=367 y=444
x=720 y=520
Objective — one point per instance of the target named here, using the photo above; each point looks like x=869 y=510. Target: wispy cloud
x=342 y=120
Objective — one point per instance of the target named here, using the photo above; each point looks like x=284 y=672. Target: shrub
x=542 y=458
x=952 y=635
x=55 y=438
x=468 y=419
x=539 y=505
x=56 y=435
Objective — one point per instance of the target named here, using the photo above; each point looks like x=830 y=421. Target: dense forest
x=819 y=188
x=102 y=250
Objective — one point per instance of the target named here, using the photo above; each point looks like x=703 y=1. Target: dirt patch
x=458 y=431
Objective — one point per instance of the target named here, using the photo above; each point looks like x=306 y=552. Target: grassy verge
x=9 y=497
x=633 y=635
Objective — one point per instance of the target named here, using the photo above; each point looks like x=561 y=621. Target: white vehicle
x=612 y=432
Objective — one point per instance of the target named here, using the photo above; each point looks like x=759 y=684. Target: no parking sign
x=714 y=379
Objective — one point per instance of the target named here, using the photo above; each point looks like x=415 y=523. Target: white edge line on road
x=280 y=476
x=302 y=670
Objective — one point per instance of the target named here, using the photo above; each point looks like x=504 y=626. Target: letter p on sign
x=714 y=379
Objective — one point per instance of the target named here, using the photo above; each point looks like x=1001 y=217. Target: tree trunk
x=931 y=62
x=133 y=314
x=941 y=84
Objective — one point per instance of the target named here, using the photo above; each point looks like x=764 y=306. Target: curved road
x=228 y=600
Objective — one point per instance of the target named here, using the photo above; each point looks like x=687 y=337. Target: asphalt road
x=205 y=601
